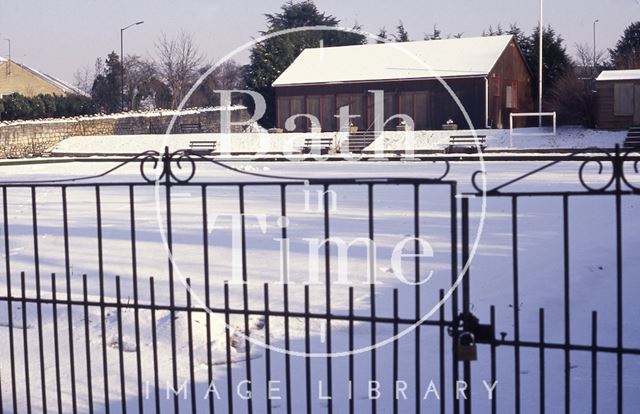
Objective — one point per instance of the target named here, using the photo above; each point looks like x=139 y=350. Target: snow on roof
x=54 y=81
x=64 y=86
x=474 y=56
x=609 y=75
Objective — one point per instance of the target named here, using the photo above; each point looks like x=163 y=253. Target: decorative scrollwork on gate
x=631 y=165
x=600 y=171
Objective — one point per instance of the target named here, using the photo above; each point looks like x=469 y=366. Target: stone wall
x=32 y=138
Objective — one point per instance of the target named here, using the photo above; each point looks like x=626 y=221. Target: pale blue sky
x=59 y=36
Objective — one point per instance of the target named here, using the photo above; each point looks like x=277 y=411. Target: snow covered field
x=592 y=264
x=497 y=139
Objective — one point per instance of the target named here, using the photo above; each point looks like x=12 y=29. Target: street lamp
x=122 y=61
x=594 y=47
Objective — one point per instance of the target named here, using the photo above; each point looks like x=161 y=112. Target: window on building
x=623 y=99
x=511 y=95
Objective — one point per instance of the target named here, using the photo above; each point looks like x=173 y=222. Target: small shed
x=618 y=99
x=488 y=75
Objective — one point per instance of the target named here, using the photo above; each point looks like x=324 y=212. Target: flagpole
x=540 y=31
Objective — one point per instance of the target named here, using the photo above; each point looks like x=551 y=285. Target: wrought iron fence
x=64 y=336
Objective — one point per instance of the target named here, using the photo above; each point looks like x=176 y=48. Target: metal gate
x=70 y=349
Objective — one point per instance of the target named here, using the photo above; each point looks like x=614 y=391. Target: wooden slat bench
x=190 y=128
x=466 y=143
x=203 y=146
x=316 y=145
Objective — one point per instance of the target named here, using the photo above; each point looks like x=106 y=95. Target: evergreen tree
x=271 y=57
x=106 y=88
x=382 y=34
x=555 y=58
x=435 y=35
x=401 y=33
x=626 y=54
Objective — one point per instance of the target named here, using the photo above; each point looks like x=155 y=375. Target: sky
x=60 y=37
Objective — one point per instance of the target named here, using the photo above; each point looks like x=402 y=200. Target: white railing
x=529 y=132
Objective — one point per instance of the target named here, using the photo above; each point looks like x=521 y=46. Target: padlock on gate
x=467 y=349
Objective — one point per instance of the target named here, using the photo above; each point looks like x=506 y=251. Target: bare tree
x=83 y=78
x=227 y=76
x=177 y=62
x=139 y=79
x=584 y=55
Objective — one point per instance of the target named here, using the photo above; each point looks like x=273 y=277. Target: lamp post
x=594 y=47
x=122 y=61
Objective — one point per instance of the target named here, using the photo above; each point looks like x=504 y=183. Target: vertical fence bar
x=67 y=265
x=351 y=357
x=567 y=305
x=56 y=347
x=283 y=235
x=267 y=341
x=618 y=190
x=136 y=311
x=228 y=348
x=87 y=342
x=395 y=352
x=192 y=375
x=327 y=264
x=36 y=261
x=372 y=293
x=441 y=328
x=594 y=362
x=25 y=343
x=516 y=302
x=166 y=159
x=307 y=349
x=466 y=295
x=416 y=247
x=372 y=300
x=542 y=361
x=105 y=376
x=287 y=358
x=245 y=297
x=207 y=288
x=287 y=345
x=40 y=348
x=454 y=295
x=154 y=343
x=494 y=399
x=105 y=369
x=7 y=256
x=123 y=391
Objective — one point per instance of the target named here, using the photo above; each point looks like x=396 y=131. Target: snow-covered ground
x=247 y=143
x=541 y=268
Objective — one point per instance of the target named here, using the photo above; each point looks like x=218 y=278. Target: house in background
x=18 y=78
x=488 y=74
x=618 y=99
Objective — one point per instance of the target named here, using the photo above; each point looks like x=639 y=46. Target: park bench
x=316 y=145
x=466 y=143
x=202 y=146
x=190 y=128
